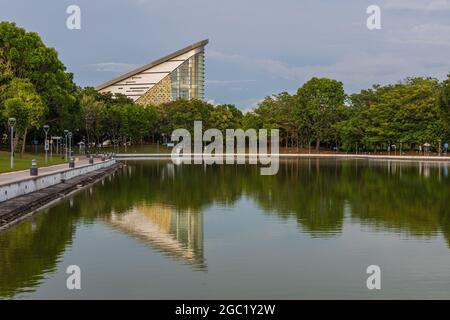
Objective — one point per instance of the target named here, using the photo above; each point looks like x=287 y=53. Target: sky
x=257 y=47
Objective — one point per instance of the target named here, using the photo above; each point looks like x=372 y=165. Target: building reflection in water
x=174 y=233
x=162 y=205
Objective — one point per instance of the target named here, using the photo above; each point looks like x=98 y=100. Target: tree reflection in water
x=163 y=205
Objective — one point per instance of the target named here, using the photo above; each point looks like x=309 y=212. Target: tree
x=406 y=113
x=277 y=112
x=24 y=55
x=138 y=120
x=153 y=115
x=22 y=102
x=115 y=114
x=317 y=105
x=92 y=114
x=182 y=114
x=112 y=122
x=444 y=105
x=354 y=123
x=226 y=116
x=251 y=120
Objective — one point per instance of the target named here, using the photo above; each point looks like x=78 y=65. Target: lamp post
x=65 y=144
x=12 y=122
x=46 y=128
x=70 y=144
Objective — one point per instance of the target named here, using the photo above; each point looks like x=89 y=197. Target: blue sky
x=257 y=47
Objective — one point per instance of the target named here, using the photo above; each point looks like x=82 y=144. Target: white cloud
x=268 y=65
x=227 y=82
x=423 y=5
x=427 y=34
x=246 y=110
x=212 y=102
x=237 y=89
x=356 y=69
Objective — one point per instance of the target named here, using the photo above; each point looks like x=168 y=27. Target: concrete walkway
x=9 y=177
x=20 y=206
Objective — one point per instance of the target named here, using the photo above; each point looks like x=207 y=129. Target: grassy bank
x=151 y=149
x=22 y=162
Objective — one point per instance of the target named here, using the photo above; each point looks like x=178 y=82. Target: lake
x=155 y=230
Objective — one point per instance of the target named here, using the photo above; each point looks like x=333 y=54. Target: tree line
x=410 y=113
x=36 y=89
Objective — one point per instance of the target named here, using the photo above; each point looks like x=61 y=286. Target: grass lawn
x=24 y=162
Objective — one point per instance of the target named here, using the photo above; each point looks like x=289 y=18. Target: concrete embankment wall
x=27 y=185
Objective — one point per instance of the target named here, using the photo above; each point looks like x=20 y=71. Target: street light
x=65 y=144
x=70 y=144
x=12 y=122
x=46 y=129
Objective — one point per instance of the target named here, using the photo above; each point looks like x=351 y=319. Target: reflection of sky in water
x=162 y=231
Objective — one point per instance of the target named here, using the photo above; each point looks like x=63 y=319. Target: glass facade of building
x=187 y=80
x=179 y=75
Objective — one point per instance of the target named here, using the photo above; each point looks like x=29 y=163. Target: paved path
x=9 y=177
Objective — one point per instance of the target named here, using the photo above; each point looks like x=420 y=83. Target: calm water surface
x=156 y=230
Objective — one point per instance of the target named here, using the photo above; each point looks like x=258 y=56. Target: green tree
x=226 y=116
x=277 y=112
x=24 y=55
x=182 y=114
x=317 y=107
x=407 y=113
x=21 y=101
x=153 y=115
x=444 y=104
x=352 y=128
x=92 y=116
x=251 y=120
